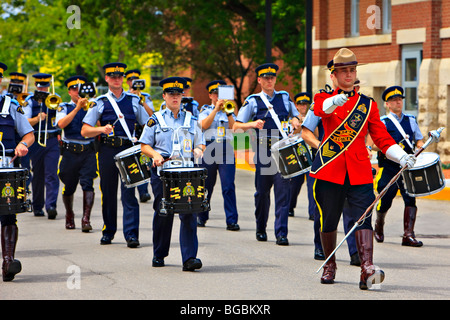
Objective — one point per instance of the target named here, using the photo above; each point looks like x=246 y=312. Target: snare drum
x=184 y=190
x=133 y=166
x=426 y=177
x=13 y=195
x=292 y=155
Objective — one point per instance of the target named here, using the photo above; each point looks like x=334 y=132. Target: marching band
x=178 y=150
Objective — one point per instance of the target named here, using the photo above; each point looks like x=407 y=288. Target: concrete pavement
x=68 y=264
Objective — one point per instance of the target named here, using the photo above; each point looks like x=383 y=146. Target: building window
x=411 y=61
x=387 y=16
x=354 y=18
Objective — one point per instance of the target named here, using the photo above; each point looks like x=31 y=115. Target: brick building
x=402 y=42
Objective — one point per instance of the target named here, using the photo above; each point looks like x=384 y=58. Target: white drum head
x=425 y=159
x=132 y=150
x=182 y=169
x=296 y=138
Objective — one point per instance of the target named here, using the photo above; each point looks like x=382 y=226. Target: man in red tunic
x=342 y=166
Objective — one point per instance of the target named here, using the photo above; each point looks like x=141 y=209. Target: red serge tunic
x=355 y=159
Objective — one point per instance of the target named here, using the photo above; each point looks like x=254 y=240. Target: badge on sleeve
x=151 y=122
x=20 y=110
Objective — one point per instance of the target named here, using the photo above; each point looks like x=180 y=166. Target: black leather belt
x=115 y=142
x=77 y=147
x=49 y=135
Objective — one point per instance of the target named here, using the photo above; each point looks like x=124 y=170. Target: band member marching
x=302 y=101
x=188 y=103
x=44 y=154
x=117 y=111
x=147 y=103
x=217 y=125
x=12 y=121
x=405 y=131
x=342 y=166
x=78 y=162
x=156 y=143
x=267 y=132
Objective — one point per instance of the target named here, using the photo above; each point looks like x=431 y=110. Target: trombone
x=52 y=102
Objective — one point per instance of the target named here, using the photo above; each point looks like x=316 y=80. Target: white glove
x=408 y=160
x=330 y=104
x=397 y=154
x=435 y=135
x=340 y=99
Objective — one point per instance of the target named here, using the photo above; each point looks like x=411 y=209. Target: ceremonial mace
x=381 y=194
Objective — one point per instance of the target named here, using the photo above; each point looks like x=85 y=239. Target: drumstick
x=12 y=160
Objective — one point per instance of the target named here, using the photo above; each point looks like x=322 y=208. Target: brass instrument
x=87 y=90
x=229 y=106
x=53 y=100
x=138 y=85
x=39 y=97
x=22 y=96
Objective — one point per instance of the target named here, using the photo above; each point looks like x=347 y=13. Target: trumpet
x=53 y=100
x=229 y=106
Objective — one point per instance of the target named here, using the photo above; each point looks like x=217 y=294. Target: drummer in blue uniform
x=217 y=126
x=147 y=103
x=20 y=79
x=78 y=162
x=188 y=103
x=112 y=109
x=156 y=142
x=12 y=121
x=405 y=131
x=44 y=154
x=302 y=101
x=267 y=133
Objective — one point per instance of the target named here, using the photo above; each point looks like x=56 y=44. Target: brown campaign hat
x=344 y=58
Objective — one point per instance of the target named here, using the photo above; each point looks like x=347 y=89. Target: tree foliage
x=224 y=39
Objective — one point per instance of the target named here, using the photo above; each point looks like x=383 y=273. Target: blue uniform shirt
x=72 y=132
x=95 y=113
x=219 y=128
x=249 y=111
x=161 y=141
x=148 y=99
x=18 y=121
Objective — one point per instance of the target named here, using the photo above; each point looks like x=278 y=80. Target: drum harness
x=381 y=194
x=400 y=129
x=273 y=114
x=5 y=113
x=176 y=147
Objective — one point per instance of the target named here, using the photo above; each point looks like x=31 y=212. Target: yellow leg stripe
x=377 y=178
x=318 y=206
